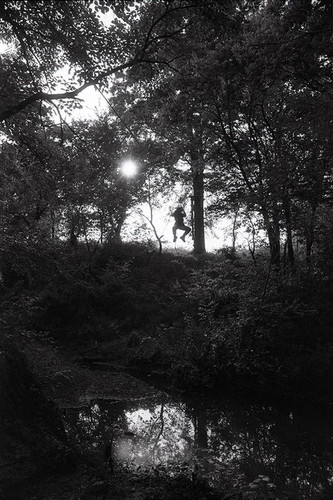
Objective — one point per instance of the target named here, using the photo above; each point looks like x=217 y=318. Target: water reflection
x=244 y=441
x=158 y=435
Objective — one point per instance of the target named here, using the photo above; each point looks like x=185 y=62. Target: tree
x=32 y=170
x=71 y=188
x=96 y=187
x=48 y=35
x=174 y=104
x=264 y=132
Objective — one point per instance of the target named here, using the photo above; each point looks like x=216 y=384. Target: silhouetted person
x=179 y=215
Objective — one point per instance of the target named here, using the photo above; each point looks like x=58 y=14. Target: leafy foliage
x=207 y=323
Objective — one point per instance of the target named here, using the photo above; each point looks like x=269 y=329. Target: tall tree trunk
x=287 y=214
x=234 y=234
x=198 y=208
x=197 y=164
x=274 y=245
x=101 y=226
x=309 y=234
x=52 y=226
x=116 y=226
x=273 y=232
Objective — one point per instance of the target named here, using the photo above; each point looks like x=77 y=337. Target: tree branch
x=45 y=96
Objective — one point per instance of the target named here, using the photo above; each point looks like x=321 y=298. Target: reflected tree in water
x=249 y=441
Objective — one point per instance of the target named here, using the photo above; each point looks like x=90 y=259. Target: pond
x=290 y=453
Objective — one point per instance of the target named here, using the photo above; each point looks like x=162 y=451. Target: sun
x=129 y=168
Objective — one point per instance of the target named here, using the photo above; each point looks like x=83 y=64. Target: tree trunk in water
x=52 y=226
x=198 y=208
x=201 y=437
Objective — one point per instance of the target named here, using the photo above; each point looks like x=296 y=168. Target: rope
x=167 y=222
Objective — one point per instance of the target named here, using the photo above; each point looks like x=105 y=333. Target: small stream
x=289 y=453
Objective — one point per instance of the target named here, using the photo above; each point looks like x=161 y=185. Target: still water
x=290 y=451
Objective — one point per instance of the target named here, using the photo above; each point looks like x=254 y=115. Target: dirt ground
x=69 y=382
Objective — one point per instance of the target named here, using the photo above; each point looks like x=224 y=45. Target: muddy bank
x=33 y=438
x=69 y=382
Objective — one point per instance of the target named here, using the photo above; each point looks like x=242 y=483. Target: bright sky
x=92 y=102
x=5 y=47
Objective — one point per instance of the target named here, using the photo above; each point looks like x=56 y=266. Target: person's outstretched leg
x=186 y=231
x=174 y=230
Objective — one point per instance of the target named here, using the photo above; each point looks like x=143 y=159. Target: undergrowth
x=206 y=321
